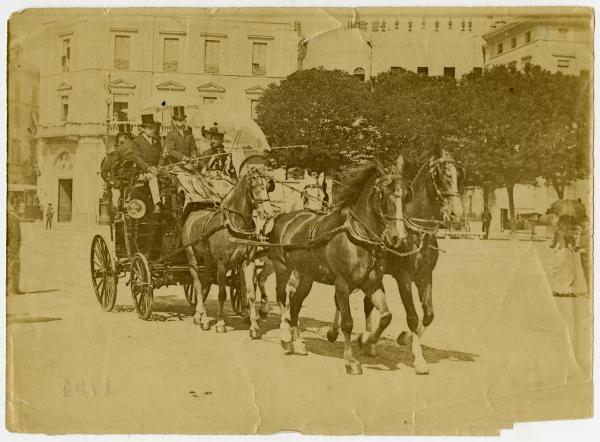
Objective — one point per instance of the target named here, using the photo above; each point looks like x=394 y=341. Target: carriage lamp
x=136 y=209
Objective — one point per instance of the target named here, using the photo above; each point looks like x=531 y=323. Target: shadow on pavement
x=20 y=320
x=389 y=354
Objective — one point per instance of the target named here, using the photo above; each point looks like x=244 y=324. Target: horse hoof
x=255 y=333
x=404 y=338
x=353 y=368
x=421 y=368
x=205 y=326
x=332 y=335
x=220 y=328
x=288 y=347
x=299 y=348
x=263 y=314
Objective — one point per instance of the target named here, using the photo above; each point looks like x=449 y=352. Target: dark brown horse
x=343 y=248
x=210 y=234
x=435 y=201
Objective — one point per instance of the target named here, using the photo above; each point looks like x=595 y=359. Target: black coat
x=178 y=146
x=145 y=154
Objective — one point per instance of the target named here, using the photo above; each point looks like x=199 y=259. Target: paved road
x=501 y=349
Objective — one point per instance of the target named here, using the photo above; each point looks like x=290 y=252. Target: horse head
x=390 y=192
x=443 y=187
x=259 y=187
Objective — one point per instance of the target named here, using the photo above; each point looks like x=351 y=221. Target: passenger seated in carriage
x=180 y=145
x=216 y=158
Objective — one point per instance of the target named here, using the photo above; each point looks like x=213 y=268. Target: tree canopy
x=506 y=126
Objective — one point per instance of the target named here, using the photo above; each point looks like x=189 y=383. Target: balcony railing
x=114 y=127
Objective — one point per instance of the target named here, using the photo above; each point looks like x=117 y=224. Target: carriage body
x=146 y=246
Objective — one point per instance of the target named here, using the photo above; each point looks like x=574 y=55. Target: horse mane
x=356 y=183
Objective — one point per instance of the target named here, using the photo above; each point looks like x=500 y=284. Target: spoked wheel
x=235 y=291
x=104 y=274
x=190 y=294
x=141 y=286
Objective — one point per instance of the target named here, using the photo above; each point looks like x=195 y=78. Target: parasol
x=573 y=208
x=167 y=100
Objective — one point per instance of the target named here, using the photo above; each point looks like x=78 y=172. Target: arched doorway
x=359 y=73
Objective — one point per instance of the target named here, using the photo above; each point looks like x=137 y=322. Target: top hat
x=178 y=113
x=148 y=121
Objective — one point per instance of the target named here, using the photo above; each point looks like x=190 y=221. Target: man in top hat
x=215 y=158
x=146 y=153
x=180 y=144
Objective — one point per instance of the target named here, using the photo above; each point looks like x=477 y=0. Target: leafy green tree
x=566 y=138
x=324 y=110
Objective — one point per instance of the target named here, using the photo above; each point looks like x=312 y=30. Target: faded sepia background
x=502 y=349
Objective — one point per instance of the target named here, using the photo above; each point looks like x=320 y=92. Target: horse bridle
x=434 y=171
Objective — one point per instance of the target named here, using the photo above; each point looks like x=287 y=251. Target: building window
x=121 y=52
x=499 y=48
x=66 y=55
x=359 y=73
x=212 y=55
x=375 y=26
x=395 y=69
x=209 y=100
x=423 y=25
x=423 y=70
x=562 y=64
x=437 y=26
x=470 y=25
x=462 y=25
x=563 y=33
x=409 y=26
x=171 y=55
x=64 y=108
x=450 y=24
x=449 y=71
x=259 y=59
x=513 y=42
x=528 y=37
x=383 y=26
x=478 y=71
x=120 y=106
x=253 y=106
x=397 y=24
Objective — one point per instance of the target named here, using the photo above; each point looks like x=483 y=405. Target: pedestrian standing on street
x=486 y=220
x=49 y=216
x=13 y=252
x=563 y=264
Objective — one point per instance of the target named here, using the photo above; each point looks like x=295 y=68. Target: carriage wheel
x=235 y=291
x=104 y=274
x=190 y=294
x=141 y=286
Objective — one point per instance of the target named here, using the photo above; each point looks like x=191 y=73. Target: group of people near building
x=149 y=153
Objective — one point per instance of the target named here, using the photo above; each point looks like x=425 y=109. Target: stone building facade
x=95 y=65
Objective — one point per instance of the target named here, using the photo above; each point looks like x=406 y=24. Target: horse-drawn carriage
x=145 y=246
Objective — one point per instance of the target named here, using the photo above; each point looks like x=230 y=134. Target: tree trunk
x=511 y=208
x=560 y=190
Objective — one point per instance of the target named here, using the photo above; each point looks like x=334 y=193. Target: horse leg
x=222 y=280
x=200 y=317
x=282 y=275
x=412 y=318
x=370 y=338
x=261 y=279
x=342 y=297
x=302 y=291
x=248 y=270
x=334 y=327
